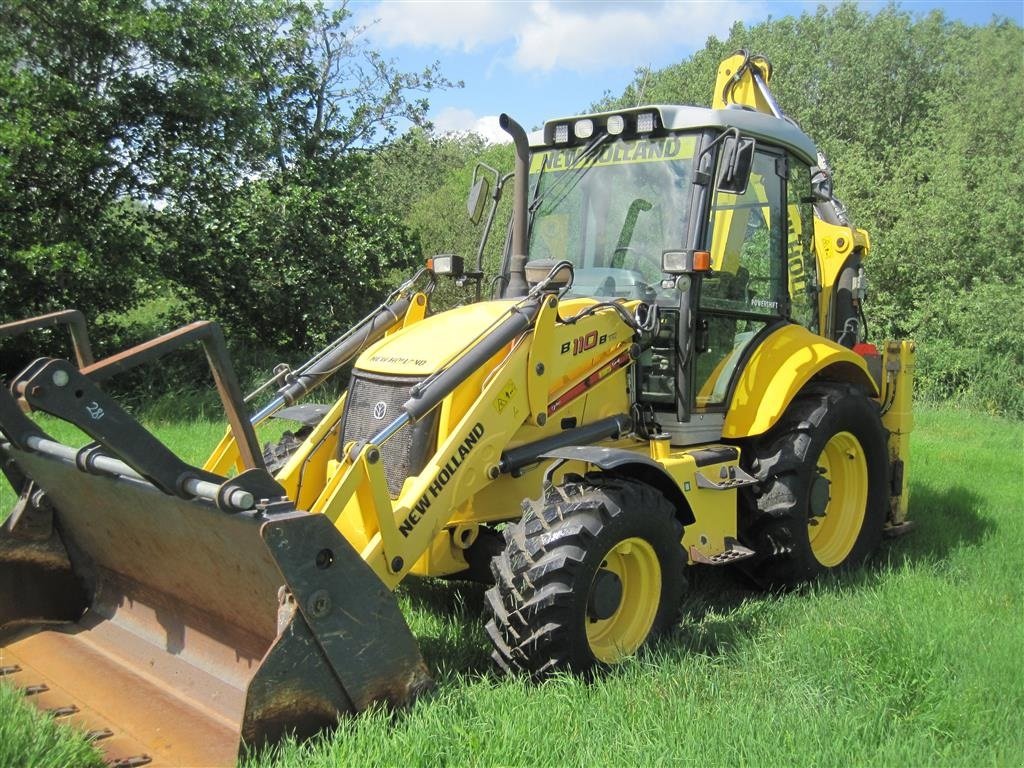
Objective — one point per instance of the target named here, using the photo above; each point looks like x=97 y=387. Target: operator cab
x=617 y=194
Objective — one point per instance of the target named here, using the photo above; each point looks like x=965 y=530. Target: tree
x=135 y=128
x=418 y=163
x=441 y=222
x=290 y=260
x=69 y=229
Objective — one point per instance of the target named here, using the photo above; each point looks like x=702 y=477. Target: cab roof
x=674 y=118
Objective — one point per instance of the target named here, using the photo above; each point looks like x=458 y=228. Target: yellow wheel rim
x=635 y=563
x=833 y=535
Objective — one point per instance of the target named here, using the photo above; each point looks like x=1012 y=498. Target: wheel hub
x=838 y=499
x=605 y=596
x=623 y=600
x=819 y=497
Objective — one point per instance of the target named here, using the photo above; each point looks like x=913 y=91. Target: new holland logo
x=380 y=410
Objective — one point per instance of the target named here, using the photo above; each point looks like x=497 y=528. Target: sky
x=542 y=59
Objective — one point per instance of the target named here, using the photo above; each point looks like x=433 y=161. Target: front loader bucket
x=176 y=633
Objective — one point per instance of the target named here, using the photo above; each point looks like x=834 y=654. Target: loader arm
x=529 y=385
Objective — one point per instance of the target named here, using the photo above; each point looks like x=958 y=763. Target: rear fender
x=778 y=369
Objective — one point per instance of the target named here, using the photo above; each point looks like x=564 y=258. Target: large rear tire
x=587 y=577
x=821 y=504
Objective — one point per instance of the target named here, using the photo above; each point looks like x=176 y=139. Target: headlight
x=583 y=129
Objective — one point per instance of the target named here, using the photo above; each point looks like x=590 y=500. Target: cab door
x=746 y=293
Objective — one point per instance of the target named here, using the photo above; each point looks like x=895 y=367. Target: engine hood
x=424 y=347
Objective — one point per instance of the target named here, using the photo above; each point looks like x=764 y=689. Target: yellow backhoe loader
x=672 y=372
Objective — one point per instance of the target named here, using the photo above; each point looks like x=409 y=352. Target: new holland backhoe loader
x=672 y=372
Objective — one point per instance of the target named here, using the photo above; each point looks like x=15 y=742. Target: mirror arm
x=499 y=186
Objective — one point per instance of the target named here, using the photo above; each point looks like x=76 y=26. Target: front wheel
x=586 y=578
x=821 y=503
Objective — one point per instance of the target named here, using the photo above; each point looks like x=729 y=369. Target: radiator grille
x=375 y=401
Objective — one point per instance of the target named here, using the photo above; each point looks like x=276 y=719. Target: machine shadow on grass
x=721 y=607
x=460 y=648
x=946 y=519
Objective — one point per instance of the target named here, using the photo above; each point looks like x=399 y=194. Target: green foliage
x=141 y=138
x=290 y=260
x=441 y=222
x=67 y=231
x=417 y=164
x=923 y=121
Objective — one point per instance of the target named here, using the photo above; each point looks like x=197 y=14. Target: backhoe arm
x=743 y=79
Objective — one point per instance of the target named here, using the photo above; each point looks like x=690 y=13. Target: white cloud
x=586 y=36
x=444 y=24
x=456 y=120
x=591 y=37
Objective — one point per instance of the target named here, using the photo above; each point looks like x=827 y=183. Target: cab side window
x=801 y=261
x=746 y=245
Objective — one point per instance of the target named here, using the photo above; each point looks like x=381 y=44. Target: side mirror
x=478 y=199
x=737 y=161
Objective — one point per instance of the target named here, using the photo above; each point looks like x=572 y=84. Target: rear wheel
x=586 y=578
x=821 y=504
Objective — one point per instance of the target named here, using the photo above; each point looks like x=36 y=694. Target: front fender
x=633 y=464
x=778 y=368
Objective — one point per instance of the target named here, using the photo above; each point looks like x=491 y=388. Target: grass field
x=914 y=660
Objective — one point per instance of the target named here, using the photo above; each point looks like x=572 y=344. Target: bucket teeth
x=58 y=712
x=12 y=670
x=135 y=761
x=35 y=690
x=99 y=734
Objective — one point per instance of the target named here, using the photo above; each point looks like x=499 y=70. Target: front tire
x=821 y=504
x=587 y=577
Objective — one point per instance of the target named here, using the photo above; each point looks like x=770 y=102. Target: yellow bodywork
x=735 y=86
x=573 y=368
x=517 y=397
x=898 y=363
x=778 y=369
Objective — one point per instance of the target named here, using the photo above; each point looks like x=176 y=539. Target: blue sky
x=540 y=59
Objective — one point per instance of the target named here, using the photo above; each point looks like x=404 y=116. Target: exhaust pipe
x=517 y=285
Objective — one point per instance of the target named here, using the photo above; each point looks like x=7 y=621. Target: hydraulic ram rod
x=238 y=499
x=326 y=366
x=762 y=86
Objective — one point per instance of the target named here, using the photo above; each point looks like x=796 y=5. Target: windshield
x=612 y=208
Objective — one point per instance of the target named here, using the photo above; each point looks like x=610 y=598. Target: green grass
x=912 y=660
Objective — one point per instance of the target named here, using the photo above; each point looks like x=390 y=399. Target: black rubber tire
x=276 y=455
x=544 y=575
x=775 y=514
